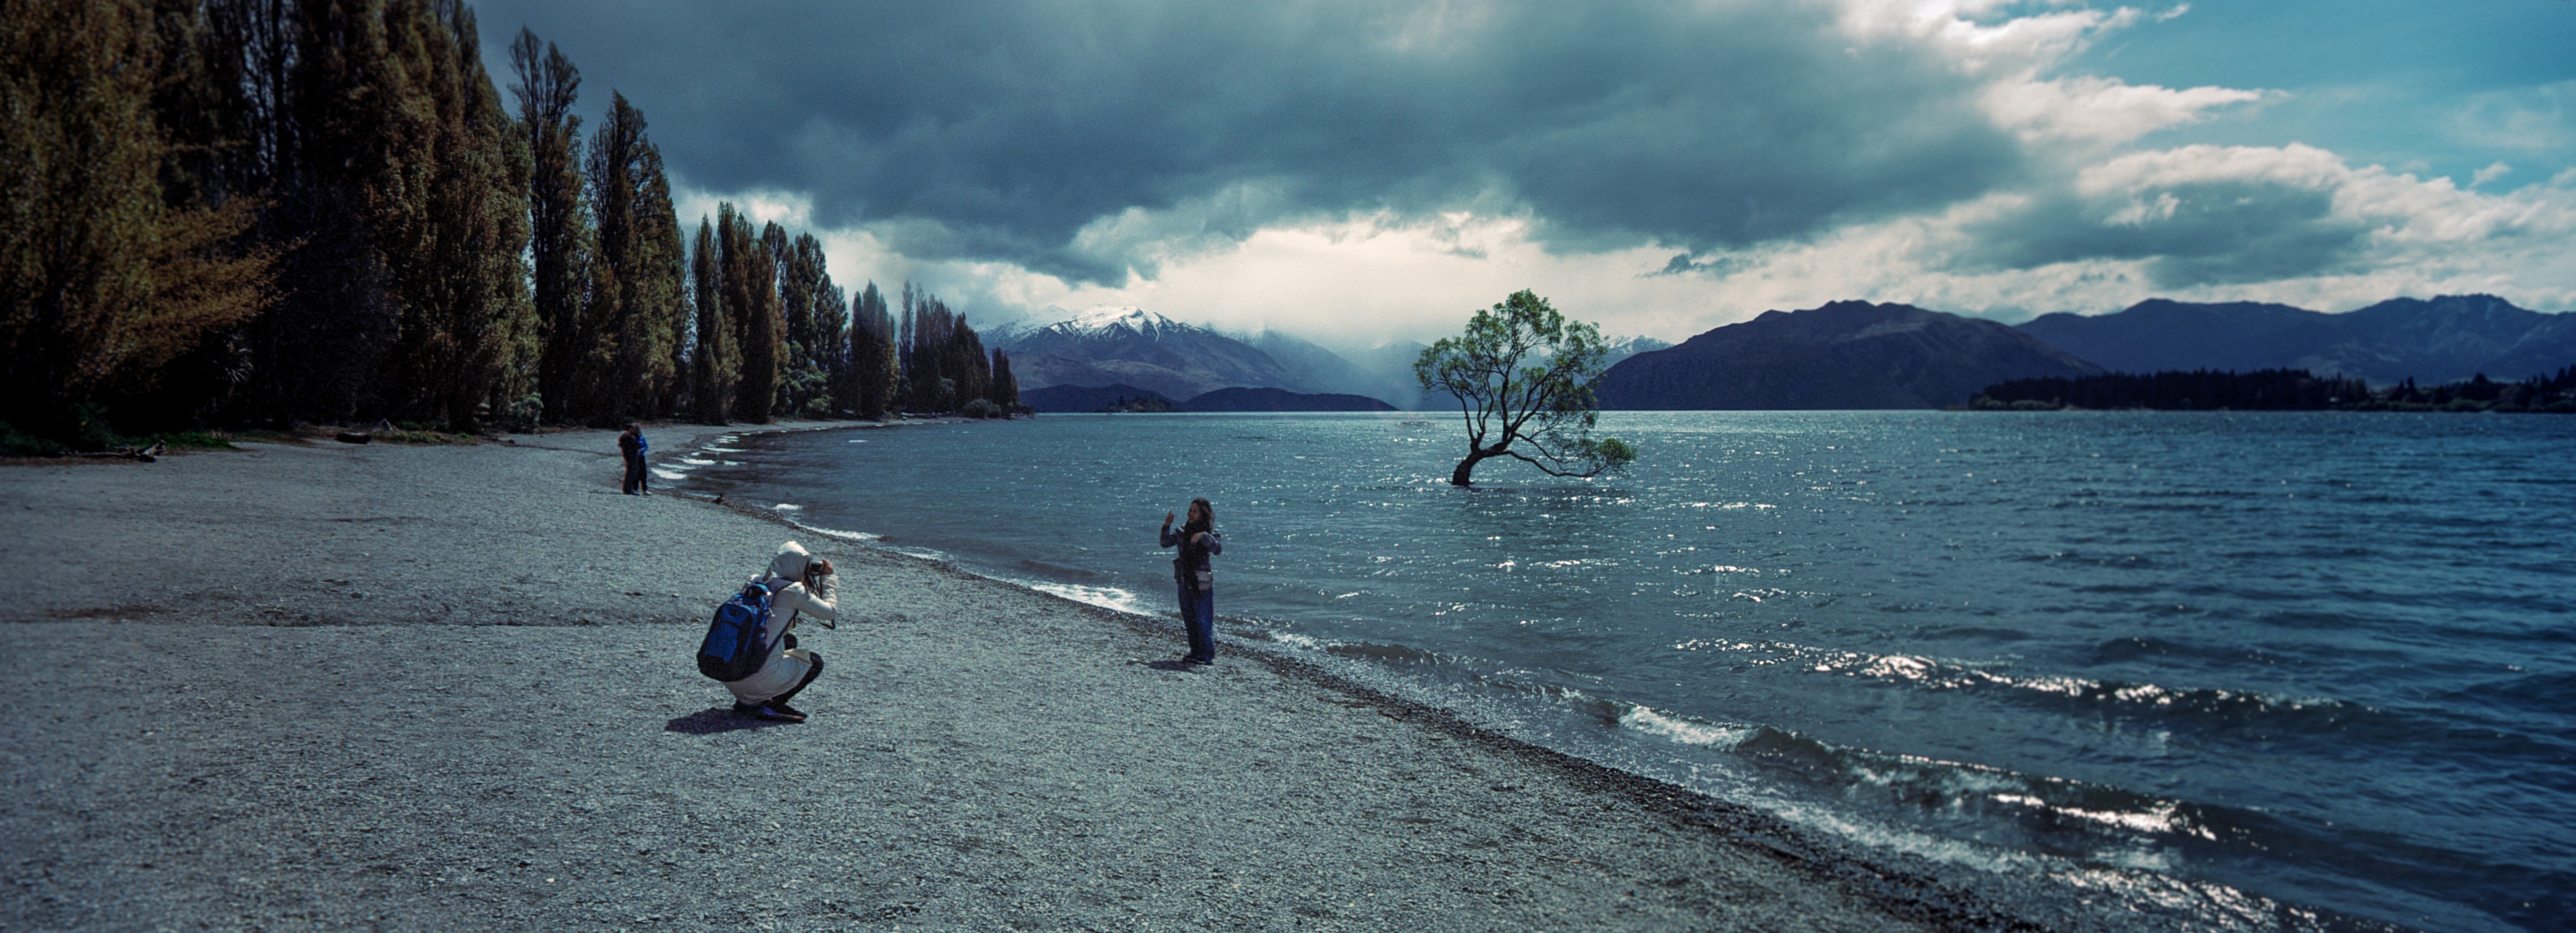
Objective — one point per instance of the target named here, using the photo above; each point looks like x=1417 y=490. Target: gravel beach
x=425 y=688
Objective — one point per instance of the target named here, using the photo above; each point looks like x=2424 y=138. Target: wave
x=1106 y=597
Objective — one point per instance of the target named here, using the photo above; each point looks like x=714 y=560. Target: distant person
x=1198 y=539
x=633 y=445
x=800 y=585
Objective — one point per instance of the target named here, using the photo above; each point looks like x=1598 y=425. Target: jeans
x=1198 y=612
x=634 y=474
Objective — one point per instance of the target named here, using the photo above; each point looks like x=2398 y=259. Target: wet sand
x=422 y=688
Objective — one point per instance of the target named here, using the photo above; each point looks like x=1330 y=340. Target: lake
x=2150 y=660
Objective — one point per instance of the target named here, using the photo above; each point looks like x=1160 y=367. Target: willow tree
x=1523 y=376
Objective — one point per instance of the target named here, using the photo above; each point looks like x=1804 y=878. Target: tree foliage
x=750 y=291
x=106 y=274
x=1523 y=378
x=715 y=364
x=271 y=211
x=452 y=219
x=876 y=367
x=637 y=292
x=559 y=233
x=2275 y=390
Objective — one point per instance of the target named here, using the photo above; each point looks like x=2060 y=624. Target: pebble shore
x=402 y=687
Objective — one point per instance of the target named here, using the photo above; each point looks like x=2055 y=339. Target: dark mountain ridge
x=2444 y=339
x=1844 y=355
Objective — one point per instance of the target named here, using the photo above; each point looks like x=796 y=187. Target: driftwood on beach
x=145 y=454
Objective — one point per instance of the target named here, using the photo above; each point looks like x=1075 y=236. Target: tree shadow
x=718 y=720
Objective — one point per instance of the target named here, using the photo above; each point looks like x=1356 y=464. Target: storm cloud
x=1086 y=139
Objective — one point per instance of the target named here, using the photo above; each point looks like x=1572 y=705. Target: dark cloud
x=999 y=130
x=2221 y=232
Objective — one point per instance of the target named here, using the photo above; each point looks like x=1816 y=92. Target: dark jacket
x=1192 y=561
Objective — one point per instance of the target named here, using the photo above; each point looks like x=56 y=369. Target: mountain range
x=2446 y=339
x=1132 y=346
x=1846 y=354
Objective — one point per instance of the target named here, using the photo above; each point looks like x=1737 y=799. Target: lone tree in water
x=1546 y=407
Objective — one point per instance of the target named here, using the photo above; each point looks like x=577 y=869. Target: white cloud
x=2533 y=120
x=2092 y=109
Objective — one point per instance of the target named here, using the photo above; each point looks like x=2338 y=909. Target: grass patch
x=187 y=440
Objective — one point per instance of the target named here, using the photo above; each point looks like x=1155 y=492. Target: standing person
x=643 y=447
x=631 y=446
x=1198 y=539
x=799 y=585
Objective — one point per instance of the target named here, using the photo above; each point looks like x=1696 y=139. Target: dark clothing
x=1196 y=583
x=1198 y=615
x=633 y=446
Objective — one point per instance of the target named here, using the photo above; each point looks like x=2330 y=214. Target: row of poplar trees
x=263 y=211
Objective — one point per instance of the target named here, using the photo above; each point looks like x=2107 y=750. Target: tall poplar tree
x=810 y=307
x=875 y=369
x=831 y=351
x=635 y=292
x=559 y=238
x=451 y=217
x=715 y=363
x=663 y=250
x=751 y=301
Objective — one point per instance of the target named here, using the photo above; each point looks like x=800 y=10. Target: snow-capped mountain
x=1111 y=345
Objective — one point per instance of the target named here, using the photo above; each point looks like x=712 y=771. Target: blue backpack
x=736 y=644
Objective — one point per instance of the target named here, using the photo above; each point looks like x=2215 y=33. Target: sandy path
x=448 y=688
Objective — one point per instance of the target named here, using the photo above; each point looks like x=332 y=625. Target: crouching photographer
x=800 y=586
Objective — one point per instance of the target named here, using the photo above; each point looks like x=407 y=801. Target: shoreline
x=273 y=727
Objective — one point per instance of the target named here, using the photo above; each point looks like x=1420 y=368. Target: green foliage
x=106 y=275
x=453 y=219
x=715 y=364
x=16 y=443
x=2274 y=390
x=637 y=274
x=1523 y=377
x=272 y=211
x=982 y=408
x=945 y=363
x=559 y=233
x=751 y=306
x=876 y=369
x=193 y=440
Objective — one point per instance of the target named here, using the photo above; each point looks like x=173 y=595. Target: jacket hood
x=790 y=562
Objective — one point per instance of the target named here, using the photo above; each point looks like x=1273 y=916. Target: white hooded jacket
x=789 y=600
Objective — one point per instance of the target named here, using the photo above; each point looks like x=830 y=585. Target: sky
x=1358 y=172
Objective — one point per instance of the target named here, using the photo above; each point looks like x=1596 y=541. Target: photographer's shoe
x=782 y=712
